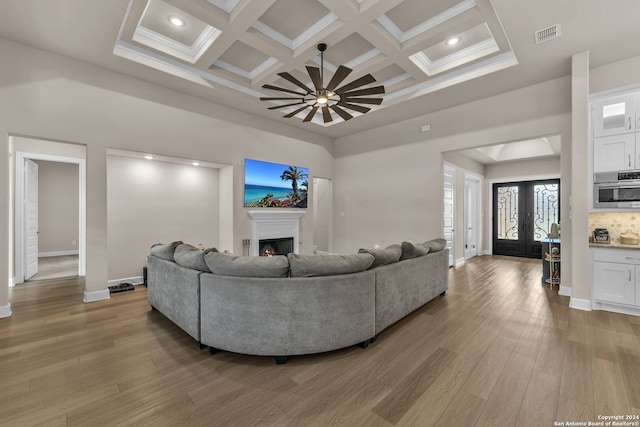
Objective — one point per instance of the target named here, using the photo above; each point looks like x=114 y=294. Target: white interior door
x=471 y=220
x=31 y=218
x=449 y=210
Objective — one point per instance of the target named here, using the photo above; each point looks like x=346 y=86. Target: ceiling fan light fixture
x=176 y=21
x=322 y=97
x=328 y=98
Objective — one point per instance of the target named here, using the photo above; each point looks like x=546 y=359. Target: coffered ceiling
x=411 y=47
x=228 y=49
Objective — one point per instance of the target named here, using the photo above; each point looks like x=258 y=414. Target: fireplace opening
x=270 y=247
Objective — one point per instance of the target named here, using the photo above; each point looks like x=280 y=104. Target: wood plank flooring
x=500 y=349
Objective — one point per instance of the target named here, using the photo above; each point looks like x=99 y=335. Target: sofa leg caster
x=200 y=345
x=373 y=339
x=213 y=350
x=281 y=360
x=364 y=344
x=444 y=293
x=153 y=308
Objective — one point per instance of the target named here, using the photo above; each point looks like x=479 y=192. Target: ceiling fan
x=330 y=97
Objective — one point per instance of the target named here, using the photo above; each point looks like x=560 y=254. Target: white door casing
x=449 y=211
x=31 y=219
x=471 y=217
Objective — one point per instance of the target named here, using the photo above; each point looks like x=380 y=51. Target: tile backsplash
x=615 y=222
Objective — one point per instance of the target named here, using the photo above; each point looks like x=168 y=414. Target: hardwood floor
x=500 y=349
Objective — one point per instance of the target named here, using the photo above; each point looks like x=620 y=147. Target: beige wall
x=547 y=167
x=51 y=97
x=58 y=188
x=322 y=214
x=157 y=202
x=389 y=194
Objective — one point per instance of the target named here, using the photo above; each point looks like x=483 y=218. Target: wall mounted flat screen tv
x=274 y=185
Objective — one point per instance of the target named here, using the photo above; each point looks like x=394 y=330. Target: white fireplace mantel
x=274 y=224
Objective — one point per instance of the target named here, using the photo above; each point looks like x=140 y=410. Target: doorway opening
x=522 y=216
x=26 y=231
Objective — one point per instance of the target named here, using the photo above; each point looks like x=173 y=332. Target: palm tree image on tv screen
x=275 y=185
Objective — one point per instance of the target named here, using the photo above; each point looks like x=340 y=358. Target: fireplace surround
x=272 y=225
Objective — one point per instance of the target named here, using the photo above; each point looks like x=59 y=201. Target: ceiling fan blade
x=362 y=92
x=295 y=81
x=276 y=98
x=326 y=114
x=341 y=112
x=293 y=113
x=286 y=105
x=354 y=107
x=282 y=89
x=376 y=101
x=314 y=73
x=364 y=80
x=341 y=73
x=310 y=115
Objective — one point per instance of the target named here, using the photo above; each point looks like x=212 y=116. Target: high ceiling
x=228 y=49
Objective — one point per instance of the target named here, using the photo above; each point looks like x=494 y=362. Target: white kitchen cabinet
x=616 y=115
x=616 y=276
x=616 y=153
x=616 y=282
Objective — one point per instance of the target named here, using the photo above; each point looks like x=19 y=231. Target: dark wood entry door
x=522 y=216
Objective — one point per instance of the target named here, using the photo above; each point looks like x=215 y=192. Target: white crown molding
x=433 y=22
x=463 y=56
x=179 y=69
x=250 y=75
x=363 y=58
x=168 y=45
x=310 y=32
x=490 y=65
x=226 y=5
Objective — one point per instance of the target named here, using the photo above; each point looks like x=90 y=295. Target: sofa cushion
x=435 y=245
x=385 y=256
x=328 y=265
x=192 y=257
x=412 y=250
x=165 y=250
x=247 y=266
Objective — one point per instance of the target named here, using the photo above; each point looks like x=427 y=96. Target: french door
x=522 y=216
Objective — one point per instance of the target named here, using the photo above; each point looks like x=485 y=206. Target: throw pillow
x=412 y=250
x=247 y=266
x=165 y=250
x=328 y=265
x=192 y=257
x=435 y=245
x=385 y=256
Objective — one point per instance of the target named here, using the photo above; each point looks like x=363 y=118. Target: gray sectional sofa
x=299 y=304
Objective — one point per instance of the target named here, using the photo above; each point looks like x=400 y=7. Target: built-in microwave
x=616 y=189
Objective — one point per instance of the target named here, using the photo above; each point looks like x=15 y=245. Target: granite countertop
x=617 y=245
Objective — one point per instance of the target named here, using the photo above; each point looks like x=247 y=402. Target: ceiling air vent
x=548 y=33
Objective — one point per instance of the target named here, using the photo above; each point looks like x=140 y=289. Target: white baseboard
x=633 y=311
x=580 y=304
x=12 y=282
x=137 y=280
x=96 y=295
x=459 y=261
x=5 y=310
x=565 y=291
x=486 y=252
x=56 y=253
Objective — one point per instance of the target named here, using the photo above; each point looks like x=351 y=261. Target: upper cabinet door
x=614 y=116
x=614 y=153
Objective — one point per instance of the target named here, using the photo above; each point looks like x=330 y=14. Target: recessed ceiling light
x=148 y=157
x=176 y=21
x=195 y=163
x=453 y=41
